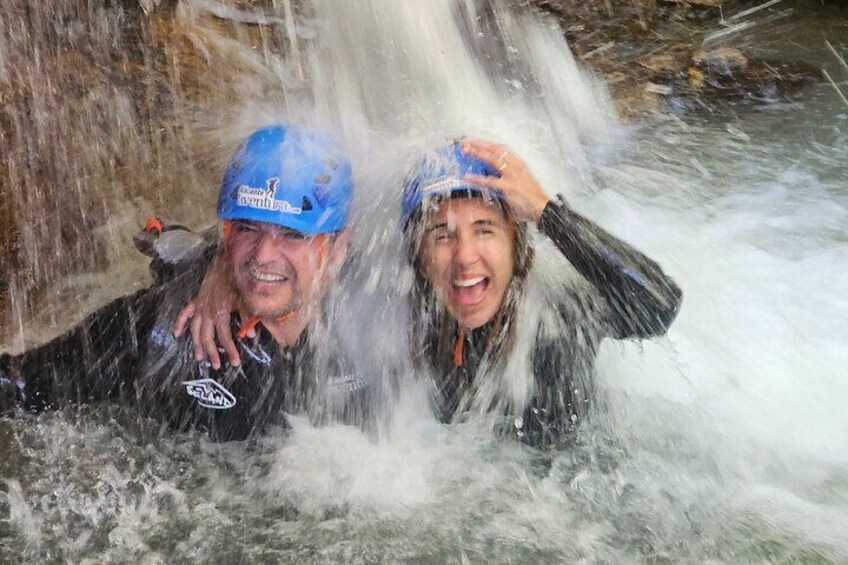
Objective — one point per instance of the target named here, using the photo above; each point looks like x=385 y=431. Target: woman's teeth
x=465 y=283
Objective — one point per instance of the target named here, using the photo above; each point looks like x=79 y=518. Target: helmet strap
x=255 y=321
x=459 y=349
x=227 y=228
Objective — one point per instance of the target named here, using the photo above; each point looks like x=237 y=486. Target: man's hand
x=519 y=188
x=209 y=313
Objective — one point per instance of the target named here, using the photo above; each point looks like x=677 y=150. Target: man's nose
x=267 y=249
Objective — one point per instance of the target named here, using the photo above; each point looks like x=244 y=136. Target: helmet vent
x=306 y=205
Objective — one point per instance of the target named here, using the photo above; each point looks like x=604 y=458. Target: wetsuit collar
x=264 y=338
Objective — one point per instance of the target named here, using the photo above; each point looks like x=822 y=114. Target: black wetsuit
x=127 y=351
x=633 y=298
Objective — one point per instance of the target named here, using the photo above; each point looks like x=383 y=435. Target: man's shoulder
x=164 y=300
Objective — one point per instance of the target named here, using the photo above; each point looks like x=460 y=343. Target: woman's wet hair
x=434 y=331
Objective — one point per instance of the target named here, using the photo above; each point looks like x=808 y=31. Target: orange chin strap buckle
x=253 y=322
x=154 y=226
x=459 y=349
x=227 y=228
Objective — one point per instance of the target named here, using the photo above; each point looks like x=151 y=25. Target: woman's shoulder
x=557 y=299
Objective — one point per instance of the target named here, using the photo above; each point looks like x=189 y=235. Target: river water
x=724 y=442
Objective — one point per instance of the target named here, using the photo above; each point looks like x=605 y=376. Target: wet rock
x=726 y=73
x=661 y=89
x=721 y=59
x=662 y=63
x=98 y=121
x=105 y=107
x=63 y=127
x=591 y=11
x=710 y=3
x=649 y=52
x=697 y=78
x=8 y=238
x=759 y=79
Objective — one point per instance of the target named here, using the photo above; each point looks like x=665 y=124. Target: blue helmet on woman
x=289 y=177
x=441 y=174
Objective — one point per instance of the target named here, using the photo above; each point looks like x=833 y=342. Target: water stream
x=724 y=442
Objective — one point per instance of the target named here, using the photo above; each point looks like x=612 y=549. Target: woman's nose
x=466 y=252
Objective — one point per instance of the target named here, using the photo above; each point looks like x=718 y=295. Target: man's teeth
x=465 y=283
x=266 y=277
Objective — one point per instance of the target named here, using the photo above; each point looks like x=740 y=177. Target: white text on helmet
x=263 y=198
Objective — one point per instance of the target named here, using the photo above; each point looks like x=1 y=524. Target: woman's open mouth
x=469 y=291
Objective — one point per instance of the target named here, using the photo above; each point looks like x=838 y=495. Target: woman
x=466 y=212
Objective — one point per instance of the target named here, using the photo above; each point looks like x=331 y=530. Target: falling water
x=723 y=442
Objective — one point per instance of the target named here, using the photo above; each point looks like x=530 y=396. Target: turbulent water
x=724 y=442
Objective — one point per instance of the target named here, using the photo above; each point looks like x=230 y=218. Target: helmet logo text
x=443 y=185
x=263 y=198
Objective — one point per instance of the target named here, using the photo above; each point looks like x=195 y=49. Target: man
x=283 y=204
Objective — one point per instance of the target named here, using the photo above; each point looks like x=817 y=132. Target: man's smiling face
x=276 y=270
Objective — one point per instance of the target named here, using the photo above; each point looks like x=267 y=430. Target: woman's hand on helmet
x=516 y=183
x=209 y=314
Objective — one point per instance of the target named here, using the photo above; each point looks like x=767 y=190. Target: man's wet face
x=467 y=255
x=276 y=270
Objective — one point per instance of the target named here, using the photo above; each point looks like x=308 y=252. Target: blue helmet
x=289 y=177
x=441 y=174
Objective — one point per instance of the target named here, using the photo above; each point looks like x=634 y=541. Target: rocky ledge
x=676 y=50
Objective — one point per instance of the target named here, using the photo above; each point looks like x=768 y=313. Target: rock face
x=649 y=51
x=98 y=125
x=8 y=233
x=727 y=74
x=721 y=58
x=710 y=3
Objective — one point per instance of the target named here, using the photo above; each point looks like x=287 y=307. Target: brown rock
x=661 y=63
x=727 y=57
x=710 y=3
x=696 y=78
x=97 y=133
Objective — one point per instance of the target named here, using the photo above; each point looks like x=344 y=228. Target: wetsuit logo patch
x=210 y=394
x=163 y=337
x=347 y=383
